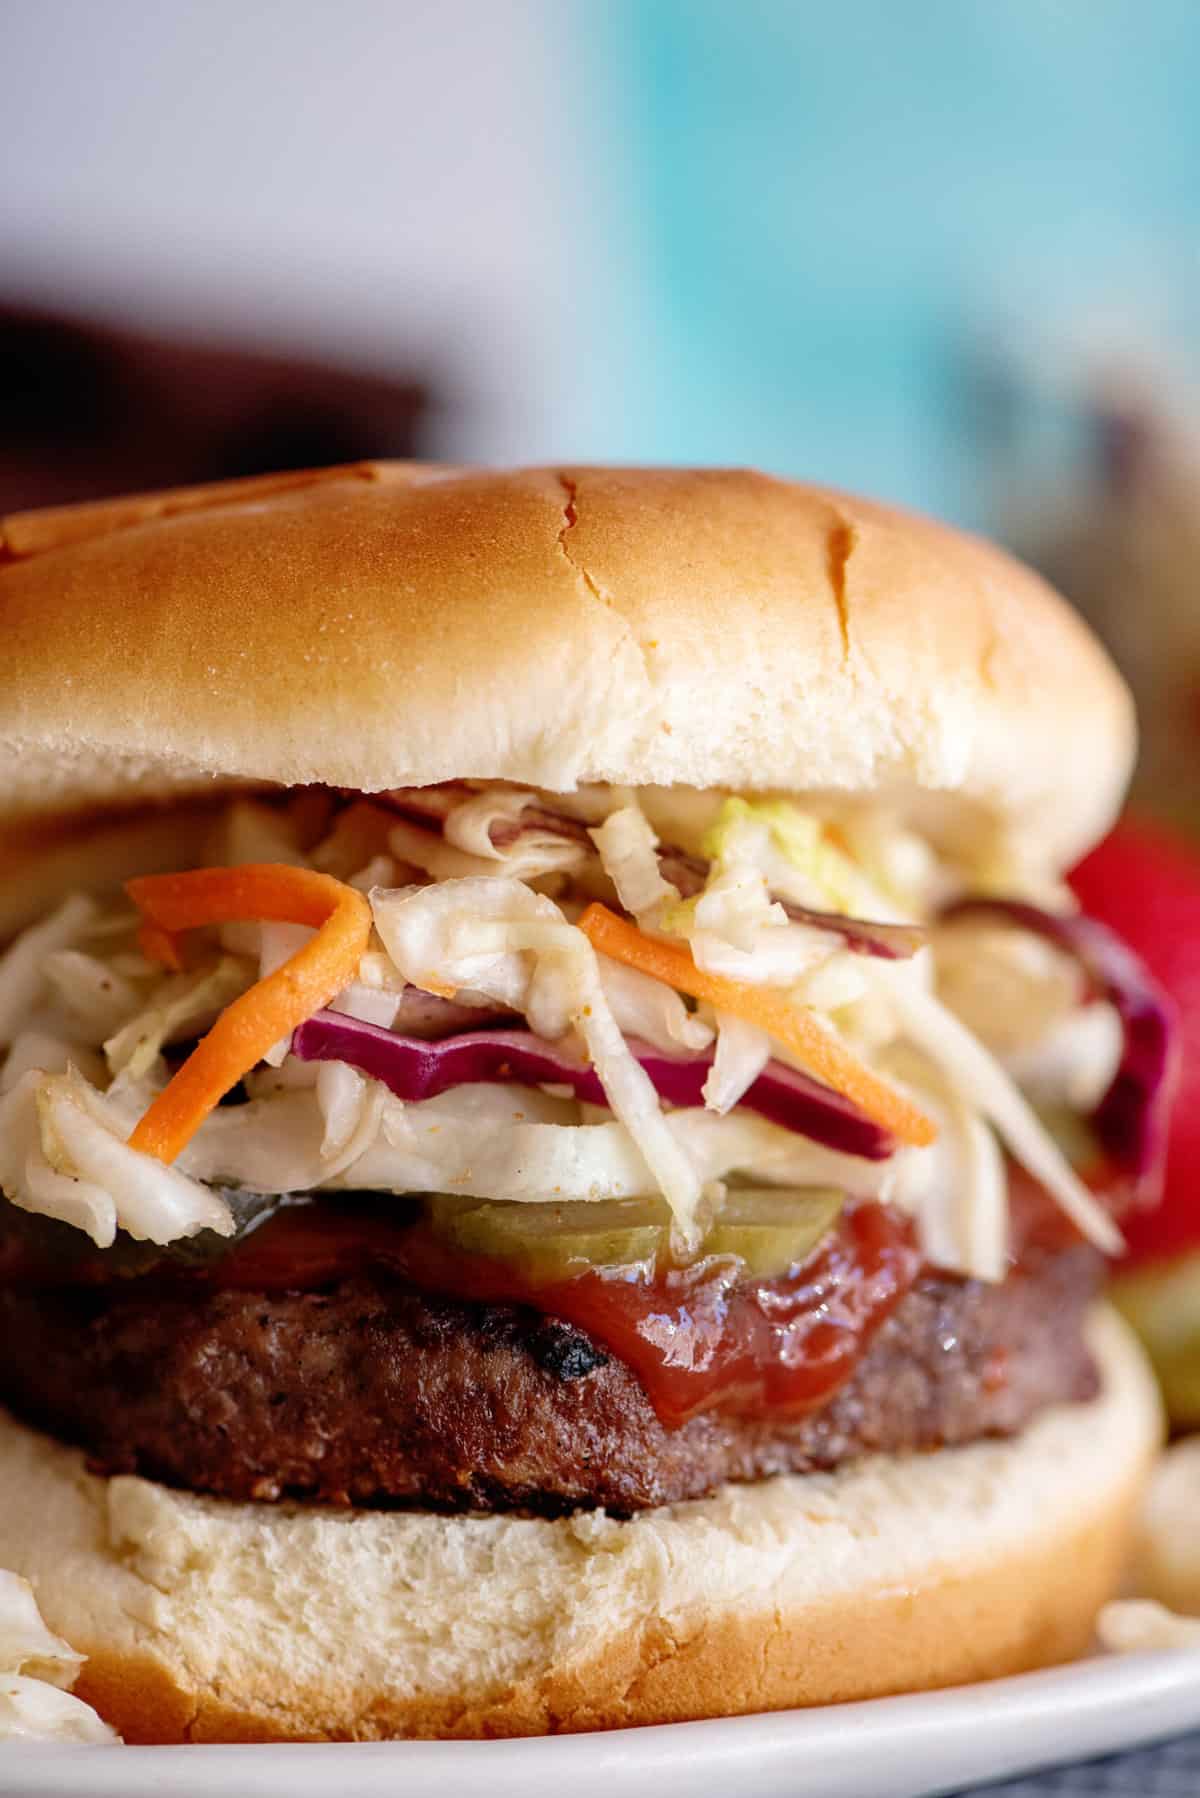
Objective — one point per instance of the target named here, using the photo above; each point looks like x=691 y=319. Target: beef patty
x=373 y=1393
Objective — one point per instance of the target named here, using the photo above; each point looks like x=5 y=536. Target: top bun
x=391 y=624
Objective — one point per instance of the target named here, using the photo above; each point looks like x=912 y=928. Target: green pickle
x=1163 y=1306
x=769 y=1229
x=550 y=1242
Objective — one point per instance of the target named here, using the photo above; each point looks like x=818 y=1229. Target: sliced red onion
x=415 y=1069
x=1131 y=1119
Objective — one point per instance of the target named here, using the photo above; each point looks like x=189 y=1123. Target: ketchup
x=705 y=1338
x=700 y=1339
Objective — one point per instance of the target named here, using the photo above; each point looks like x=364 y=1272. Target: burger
x=560 y=1129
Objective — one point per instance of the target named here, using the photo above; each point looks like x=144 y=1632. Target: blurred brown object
x=89 y=411
x=1126 y=549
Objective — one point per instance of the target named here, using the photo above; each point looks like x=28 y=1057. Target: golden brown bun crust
x=388 y=624
x=207 y=1621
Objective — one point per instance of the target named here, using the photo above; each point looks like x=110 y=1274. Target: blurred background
x=945 y=252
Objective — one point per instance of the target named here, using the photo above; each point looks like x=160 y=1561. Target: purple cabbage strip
x=1132 y=1117
x=413 y=1068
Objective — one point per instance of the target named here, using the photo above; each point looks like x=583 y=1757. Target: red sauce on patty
x=705 y=1338
x=701 y=1338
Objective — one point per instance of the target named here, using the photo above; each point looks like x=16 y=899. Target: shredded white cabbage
x=83 y=1141
x=529 y=856
x=48 y=1050
x=1076 y=1061
x=183 y=1005
x=743 y=1051
x=293 y=1075
x=95 y=998
x=357 y=837
x=1008 y=986
x=370 y=1004
x=273 y=1144
x=791 y=849
x=832 y=985
x=526 y=1161
x=36 y=1668
x=532 y=854
x=352 y=1109
x=629 y=856
x=380 y=871
x=535 y=961
x=429 y=851
x=277 y=944
x=482 y=1140
x=505 y=1142
x=26 y=1645
x=908 y=880
x=32 y=1711
x=966 y=1066
x=957 y=1188
x=253 y=832
x=647 y=1008
x=737 y=931
x=479 y=933
x=28 y=1179
x=22 y=967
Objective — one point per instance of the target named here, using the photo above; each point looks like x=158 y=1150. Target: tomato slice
x=1144 y=882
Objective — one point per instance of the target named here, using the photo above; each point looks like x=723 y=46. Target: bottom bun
x=205 y=1620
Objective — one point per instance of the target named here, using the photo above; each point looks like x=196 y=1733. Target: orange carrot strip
x=821 y=1053
x=160 y=945
x=274 y=1006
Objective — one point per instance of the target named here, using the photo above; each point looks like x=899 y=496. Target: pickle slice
x=1163 y=1305
x=771 y=1229
x=550 y=1242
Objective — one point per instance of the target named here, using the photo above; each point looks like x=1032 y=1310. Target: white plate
x=891 y=1748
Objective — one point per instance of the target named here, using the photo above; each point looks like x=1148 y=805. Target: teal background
x=838 y=223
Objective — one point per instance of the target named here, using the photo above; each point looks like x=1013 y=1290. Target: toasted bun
x=391 y=624
x=206 y=1620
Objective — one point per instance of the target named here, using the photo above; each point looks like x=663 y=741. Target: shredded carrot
x=157 y=944
x=820 y=1051
x=173 y=903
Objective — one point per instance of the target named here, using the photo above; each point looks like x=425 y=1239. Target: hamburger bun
x=208 y=1620
x=389 y=625
x=395 y=624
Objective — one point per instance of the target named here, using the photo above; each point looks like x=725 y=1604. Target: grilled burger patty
x=371 y=1392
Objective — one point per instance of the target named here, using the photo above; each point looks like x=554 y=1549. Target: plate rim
x=1077 y=1712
